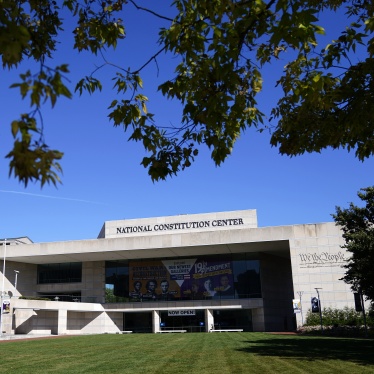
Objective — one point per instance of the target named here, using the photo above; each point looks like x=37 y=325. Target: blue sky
x=103 y=179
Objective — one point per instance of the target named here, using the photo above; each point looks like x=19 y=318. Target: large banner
x=183 y=279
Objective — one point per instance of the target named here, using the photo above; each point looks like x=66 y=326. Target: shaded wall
x=277 y=293
x=35 y=322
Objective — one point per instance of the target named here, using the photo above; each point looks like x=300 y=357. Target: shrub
x=339 y=317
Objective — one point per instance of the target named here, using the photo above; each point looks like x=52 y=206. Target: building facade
x=194 y=273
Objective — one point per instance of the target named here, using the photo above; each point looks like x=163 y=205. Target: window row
x=70 y=272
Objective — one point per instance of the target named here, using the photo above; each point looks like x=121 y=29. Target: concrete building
x=203 y=272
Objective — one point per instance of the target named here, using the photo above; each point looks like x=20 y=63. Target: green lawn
x=188 y=353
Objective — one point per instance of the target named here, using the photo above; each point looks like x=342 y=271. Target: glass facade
x=117 y=281
x=190 y=323
x=70 y=272
x=229 y=276
x=233 y=319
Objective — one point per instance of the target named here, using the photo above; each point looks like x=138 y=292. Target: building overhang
x=101 y=251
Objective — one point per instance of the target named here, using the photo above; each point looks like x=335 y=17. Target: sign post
x=320 y=309
x=300 y=293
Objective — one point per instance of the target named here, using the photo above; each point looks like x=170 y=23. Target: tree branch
x=150 y=11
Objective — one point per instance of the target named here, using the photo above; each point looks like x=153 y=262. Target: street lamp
x=15 y=280
x=300 y=293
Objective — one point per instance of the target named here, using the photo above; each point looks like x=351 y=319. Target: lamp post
x=319 y=307
x=300 y=293
x=15 y=279
x=362 y=303
x=3 y=290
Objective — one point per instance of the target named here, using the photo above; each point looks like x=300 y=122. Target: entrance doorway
x=233 y=319
x=138 y=322
x=190 y=323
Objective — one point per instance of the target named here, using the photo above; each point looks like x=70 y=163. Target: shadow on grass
x=359 y=351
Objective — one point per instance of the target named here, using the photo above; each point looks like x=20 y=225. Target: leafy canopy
x=357 y=224
x=222 y=48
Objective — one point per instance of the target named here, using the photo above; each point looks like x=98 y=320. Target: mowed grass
x=188 y=353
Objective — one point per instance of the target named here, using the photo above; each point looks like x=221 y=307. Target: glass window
x=229 y=276
x=116 y=281
x=69 y=272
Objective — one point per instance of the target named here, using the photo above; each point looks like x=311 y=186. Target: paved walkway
x=7 y=337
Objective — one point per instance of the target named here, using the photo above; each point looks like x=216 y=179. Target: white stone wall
x=154 y=226
x=35 y=322
x=317 y=262
x=26 y=279
x=93 y=322
x=53 y=317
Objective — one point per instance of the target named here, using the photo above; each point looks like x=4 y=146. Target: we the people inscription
x=324 y=259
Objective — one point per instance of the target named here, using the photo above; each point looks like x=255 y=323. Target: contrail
x=53 y=197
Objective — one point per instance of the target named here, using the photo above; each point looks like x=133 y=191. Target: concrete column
x=258 y=320
x=6 y=323
x=209 y=320
x=62 y=323
x=155 y=321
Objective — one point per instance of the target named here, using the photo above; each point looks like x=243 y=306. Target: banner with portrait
x=210 y=279
x=182 y=279
x=152 y=280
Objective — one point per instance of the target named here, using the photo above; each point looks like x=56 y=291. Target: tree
x=222 y=47
x=357 y=224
